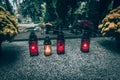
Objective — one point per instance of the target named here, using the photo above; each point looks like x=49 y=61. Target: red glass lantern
x=85 y=43
x=33 y=44
x=60 y=43
x=47 y=46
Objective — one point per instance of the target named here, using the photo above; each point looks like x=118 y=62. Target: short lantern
x=85 y=42
x=47 y=46
x=60 y=43
x=33 y=44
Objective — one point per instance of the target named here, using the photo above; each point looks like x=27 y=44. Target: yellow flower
x=104 y=20
x=106 y=24
x=106 y=29
x=48 y=24
x=102 y=30
x=111 y=21
x=104 y=34
x=110 y=16
x=115 y=10
x=118 y=30
x=119 y=11
x=116 y=15
x=118 y=24
x=111 y=25
x=100 y=26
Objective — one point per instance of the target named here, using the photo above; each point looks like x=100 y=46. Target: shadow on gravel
x=110 y=45
x=9 y=55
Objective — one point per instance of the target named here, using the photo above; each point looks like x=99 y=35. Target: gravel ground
x=101 y=63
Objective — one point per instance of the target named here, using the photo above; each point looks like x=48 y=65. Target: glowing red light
x=85 y=45
x=33 y=48
x=60 y=47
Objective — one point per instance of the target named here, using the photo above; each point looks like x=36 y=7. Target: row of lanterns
x=33 y=44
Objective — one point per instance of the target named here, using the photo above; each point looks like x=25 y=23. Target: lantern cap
x=33 y=36
x=60 y=35
x=86 y=35
x=47 y=41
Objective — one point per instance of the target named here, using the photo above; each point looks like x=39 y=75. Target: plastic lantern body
x=33 y=44
x=85 y=43
x=60 y=43
x=47 y=46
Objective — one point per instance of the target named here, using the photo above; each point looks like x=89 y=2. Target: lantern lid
x=47 y=41
x=32 y=36
x=86 y=35
x=60 y=35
